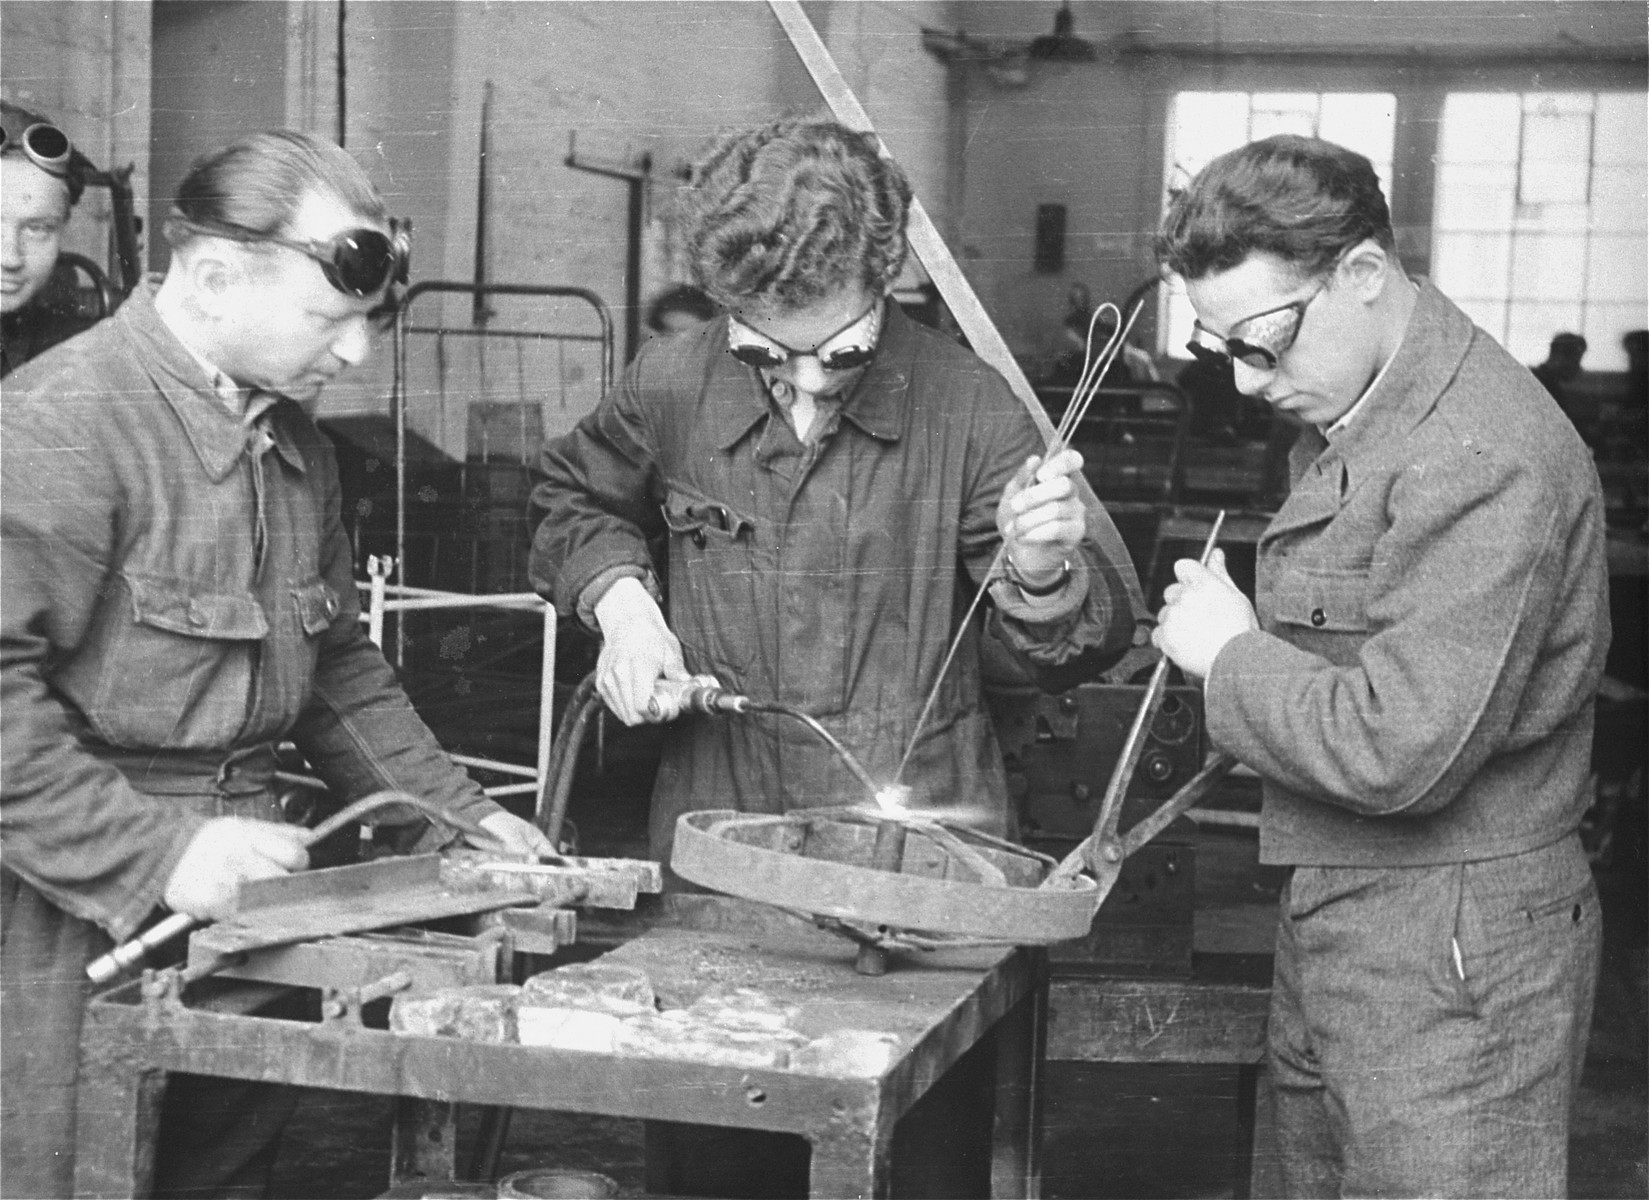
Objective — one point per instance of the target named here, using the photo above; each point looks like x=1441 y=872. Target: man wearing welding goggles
x=1416 y=691
x=41 y=178
x=178 y=599
x=833 y=482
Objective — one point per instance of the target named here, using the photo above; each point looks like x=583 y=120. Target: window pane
x=1553 y=218
x=1480 y=128
x=1605 y=325
x=1618 y=268
x=1557 y=104
x=1622 y=128
x=1472 y=265
x=1620 y=197
x=1305 y=102
x=1205 y=125
x=1362 y=121
x=1556 y=155
x=1176 y=320
x=1530 y=328
x=1365 y=122
x=1488 y=315
x=1264 y=124
x=1474 y=197
x=1548 y=266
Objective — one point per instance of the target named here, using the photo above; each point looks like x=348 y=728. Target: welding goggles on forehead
x=357 y=262
x=850 y=347
x=43 y=144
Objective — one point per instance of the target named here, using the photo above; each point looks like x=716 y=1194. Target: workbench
x=942 y=1005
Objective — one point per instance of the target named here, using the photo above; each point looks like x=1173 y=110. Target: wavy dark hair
x=784 y=214
x=1302 y=199
x=258 y=182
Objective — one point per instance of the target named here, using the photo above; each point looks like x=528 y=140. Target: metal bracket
x=341 y=1007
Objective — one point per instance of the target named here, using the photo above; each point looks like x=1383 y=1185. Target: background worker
x=41 y=178
x=833 y=480
x=177 y=600
x=1416 y=691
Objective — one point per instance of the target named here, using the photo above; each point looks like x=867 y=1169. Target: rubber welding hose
x=563 y=762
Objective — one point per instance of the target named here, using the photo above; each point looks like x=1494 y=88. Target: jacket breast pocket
x=1324 y=610
x=713 y=583
x=174 y=670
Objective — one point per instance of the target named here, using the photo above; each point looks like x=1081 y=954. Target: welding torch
x=701 y=694
x=128 y=954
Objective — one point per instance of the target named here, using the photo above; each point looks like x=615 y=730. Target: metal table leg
x=118 y=1117
x=1016 y=1140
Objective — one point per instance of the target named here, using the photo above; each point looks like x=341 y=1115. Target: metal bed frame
x=387 y=589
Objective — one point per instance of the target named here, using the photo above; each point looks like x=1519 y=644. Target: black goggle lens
x=1256 y=357
x=363 y=261
x=47 y=146
x=846 y=359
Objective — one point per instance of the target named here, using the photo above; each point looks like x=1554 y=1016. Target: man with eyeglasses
x=178 y=599
x=42 y=176
x=832 y=480
x=1416 y=691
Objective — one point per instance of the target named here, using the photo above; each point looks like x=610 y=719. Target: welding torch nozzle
x=701 y=694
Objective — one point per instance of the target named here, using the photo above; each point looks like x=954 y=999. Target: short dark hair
x=786 y=213
x=258 y=183
x=1301 y=199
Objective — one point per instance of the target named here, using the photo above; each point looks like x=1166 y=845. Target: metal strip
x=947 y=276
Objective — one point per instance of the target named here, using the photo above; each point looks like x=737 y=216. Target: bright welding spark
x=894 y=799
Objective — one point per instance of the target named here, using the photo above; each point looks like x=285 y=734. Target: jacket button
x=1319 y=618
x=197 y=615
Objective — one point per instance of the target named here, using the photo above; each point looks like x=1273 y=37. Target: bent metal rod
x=1082 y=396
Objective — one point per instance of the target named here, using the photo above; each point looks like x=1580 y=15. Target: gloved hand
x=637 y=650
x=1041 y=518
x=520 y=837
x=1200 y=614
x=224 y=853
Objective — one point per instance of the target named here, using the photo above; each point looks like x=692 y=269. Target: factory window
x=1539 y=225
x=1203 y=125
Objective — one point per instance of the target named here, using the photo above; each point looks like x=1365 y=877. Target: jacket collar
x=1327 y=470
x=216 y=434
x=1433 y=347
x=876 y=403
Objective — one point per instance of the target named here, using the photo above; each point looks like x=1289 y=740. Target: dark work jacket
x=1434 y=606
x=144 y=645
x=36 y=328
x=829 y=576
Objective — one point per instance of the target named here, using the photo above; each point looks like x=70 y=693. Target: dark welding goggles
x=857 y=346
x=358 y=262
x=44 y=145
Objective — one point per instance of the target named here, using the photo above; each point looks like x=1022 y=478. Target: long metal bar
x=947 y=276
x=1102 y=851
